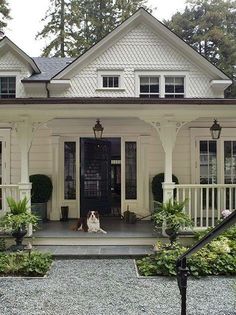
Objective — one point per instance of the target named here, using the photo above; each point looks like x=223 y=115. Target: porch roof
x=119 y=100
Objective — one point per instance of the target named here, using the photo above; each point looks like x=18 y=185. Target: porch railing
x=8 y=191
x=204 y=203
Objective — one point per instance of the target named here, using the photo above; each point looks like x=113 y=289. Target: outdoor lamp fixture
x=98 y=130
x=215 y=130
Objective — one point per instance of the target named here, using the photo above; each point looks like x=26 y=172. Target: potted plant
x=17 y=220
x=40 y=194
x=171 y=215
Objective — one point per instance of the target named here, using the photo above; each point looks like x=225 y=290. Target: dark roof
x=120 y=100
x=48 y=67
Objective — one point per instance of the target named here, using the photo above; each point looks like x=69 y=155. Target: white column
x=55 y=212
x=144 y=174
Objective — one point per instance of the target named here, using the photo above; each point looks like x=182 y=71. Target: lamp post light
x=98 y=130
x=215 y=130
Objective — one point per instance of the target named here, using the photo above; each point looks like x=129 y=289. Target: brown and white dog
x=89 y=224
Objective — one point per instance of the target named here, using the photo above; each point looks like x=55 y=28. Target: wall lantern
x=215 y=130
x=98 y=130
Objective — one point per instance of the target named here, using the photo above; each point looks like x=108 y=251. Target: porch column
x=24 y=132
x=55 y=212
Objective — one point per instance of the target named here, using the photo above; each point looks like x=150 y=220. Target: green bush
x=41 y=188
x=2 y=244
x=157 y=190
x=24 y=264
x=216 y=258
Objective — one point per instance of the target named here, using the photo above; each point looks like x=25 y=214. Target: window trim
x=161 y=74
x=149 y=76
x=110 y=73
x=11 y=74
x=174 y=76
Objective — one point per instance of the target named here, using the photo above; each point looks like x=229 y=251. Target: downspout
x=47 y=90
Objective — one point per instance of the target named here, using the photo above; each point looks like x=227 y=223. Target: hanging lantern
x=98 y=130
x=215 y=130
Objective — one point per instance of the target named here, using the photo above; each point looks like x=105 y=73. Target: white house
x=156 y=99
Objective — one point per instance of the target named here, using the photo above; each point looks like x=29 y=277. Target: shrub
x=24 y=264
x=157 y=190
x=41 y=188
x=216 y=258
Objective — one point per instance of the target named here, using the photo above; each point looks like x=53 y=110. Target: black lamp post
x=215 y=130
x=98 y=130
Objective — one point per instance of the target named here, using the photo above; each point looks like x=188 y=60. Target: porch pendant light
x=98 y=130
x=215 y=130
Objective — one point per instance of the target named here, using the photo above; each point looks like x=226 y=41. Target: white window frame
x=175 y=76
x=110 y=73
x=15 y=74
x=161 y=74
x=149 y=76
x=198 y=134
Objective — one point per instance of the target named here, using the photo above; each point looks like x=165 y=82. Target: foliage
x=2 y=244
x=157 y=190
x=24 y=264
x=73 y=26
x=216 y=258
x=41 y=188
x=4 y=13
x=171 y=213
x=18 y=217
x=209 y=26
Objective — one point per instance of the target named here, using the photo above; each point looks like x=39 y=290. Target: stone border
x=28 y=278
x=143 y=277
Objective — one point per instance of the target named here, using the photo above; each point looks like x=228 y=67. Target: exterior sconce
x=215 y=130
x=98 y=130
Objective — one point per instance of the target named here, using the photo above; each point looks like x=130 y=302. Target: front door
x=95 y=176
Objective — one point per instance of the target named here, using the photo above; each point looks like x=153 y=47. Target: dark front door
x=95 y=176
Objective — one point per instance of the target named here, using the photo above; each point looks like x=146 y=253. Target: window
x=70 y=170
x=149 y=87
x=7 y=87
x=110 y=81
x=230 y=162
x=130 y=170
x=208 y=162
x=174 y=87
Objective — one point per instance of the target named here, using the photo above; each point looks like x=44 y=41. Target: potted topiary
x=173 y=217
x=157 y=190
x=17 y=220
x=40 y=194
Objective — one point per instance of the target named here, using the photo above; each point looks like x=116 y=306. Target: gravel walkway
x=102 y=287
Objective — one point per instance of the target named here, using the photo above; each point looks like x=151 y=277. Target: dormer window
x=110 y=81
x=7 y=87
x=149 y=87
x=174 y=87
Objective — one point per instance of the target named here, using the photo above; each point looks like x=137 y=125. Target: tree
x=209 y=26
x=4 y=14
x=73 y=26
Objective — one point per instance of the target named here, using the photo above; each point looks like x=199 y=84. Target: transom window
x=7 y=87
x=174 y=87
x=110 y=81
x=149 y=87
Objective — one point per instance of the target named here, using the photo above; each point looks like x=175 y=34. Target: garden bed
x=24 y=264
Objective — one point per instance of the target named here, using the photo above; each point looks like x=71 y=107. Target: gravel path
x=102 y=287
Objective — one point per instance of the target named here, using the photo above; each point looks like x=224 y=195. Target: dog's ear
x=89 y=214
x=96 y=214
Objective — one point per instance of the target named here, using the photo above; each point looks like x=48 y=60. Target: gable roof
x=48 y=68
x=141 y=16
x=5 y=42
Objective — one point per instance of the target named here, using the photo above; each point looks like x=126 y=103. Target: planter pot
x=64 y=213
x=18 y=235
x=40 y=209
x=172 y=235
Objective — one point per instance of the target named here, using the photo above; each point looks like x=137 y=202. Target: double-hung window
x=149 y=87
x=174 y=87
x=7 y=87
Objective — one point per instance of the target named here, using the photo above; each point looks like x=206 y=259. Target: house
x=156 y=99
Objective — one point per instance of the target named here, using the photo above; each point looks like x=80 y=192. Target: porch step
x=74 y=252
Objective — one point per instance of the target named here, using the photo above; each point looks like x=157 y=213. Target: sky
x=27 y=14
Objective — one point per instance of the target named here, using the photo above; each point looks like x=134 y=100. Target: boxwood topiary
x=41 y=188
x=157 y=190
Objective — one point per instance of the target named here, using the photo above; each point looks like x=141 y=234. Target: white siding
x=140 y=49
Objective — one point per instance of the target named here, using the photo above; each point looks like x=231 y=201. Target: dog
x=89 y=224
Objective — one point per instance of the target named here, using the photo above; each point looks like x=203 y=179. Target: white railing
x=204 y=203
x=8 y=191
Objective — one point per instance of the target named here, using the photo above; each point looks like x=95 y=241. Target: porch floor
x=114 y=227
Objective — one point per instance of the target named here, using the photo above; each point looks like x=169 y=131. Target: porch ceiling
x=42 y=110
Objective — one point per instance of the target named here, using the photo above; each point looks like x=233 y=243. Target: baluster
x=184 y=199
x=219 y=201
x=207 y=207
x=213 y=207
x=177 y=194
x=230 y=198
x=195 y=207
x=190 y=203
x=201 y=208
